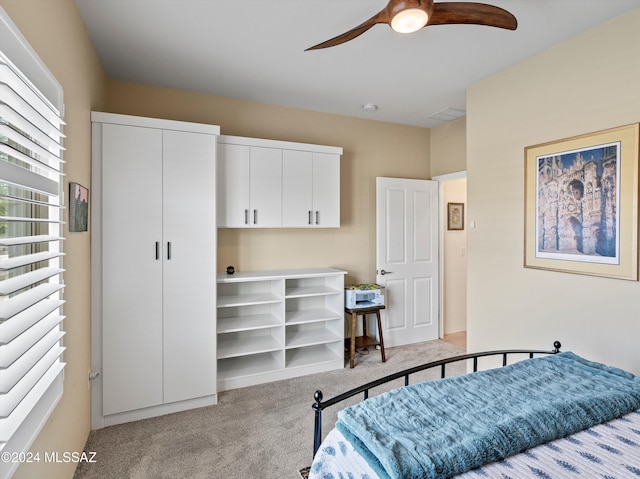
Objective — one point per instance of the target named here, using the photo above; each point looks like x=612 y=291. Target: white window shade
x=31 y=227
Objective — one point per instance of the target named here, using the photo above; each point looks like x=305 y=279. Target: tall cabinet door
x=266 y=187
x=326 y=190
x=132 y=273
x=189 y=254
x=297 y=189
x=233 y=185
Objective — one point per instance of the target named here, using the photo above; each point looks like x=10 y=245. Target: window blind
x=31 y=279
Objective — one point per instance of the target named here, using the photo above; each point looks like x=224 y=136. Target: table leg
x=384 y=358
x=352 y=353
x=364 y=324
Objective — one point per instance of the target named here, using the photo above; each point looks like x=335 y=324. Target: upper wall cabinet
x=277 y=184
x=310 y=189
x=250 y=181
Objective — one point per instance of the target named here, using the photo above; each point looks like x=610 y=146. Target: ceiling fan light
x=409 y=20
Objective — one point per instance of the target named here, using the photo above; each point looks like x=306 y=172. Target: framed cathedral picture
x=581 y=204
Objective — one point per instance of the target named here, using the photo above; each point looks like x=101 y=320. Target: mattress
x=606 y=451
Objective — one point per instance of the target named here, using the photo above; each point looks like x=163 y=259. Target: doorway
x=453 y=254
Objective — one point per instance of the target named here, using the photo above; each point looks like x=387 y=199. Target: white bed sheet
x=606 y=451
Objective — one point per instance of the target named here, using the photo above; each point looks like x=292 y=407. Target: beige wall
x=449 y=147
x=587 y=84
x=371 y=149
x=454 y=262
x=56 y=32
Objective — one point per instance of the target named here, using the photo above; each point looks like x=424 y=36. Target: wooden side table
x=364 y=340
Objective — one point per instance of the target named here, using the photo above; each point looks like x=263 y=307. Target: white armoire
x=153 y=267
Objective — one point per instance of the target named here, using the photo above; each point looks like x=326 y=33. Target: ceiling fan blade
x=380 y=17
x=345 y=37
x=447 y=13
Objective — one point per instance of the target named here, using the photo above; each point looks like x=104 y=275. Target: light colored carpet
x=258 y=432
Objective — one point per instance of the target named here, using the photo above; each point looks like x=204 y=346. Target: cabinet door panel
x=297 y=188
x=266 y=187
x=326 y=190
x=233 y=185
x=132 y=276
x=189 y=285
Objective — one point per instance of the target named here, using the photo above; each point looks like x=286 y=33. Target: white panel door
x=407 y=258
x=189 y=257
x=297 y=189
x=266 y=187
x=132 y=272
x=326 y=190
x=233 y=185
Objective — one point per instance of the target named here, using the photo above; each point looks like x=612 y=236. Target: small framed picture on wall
x=455 y=216
x=78 y=207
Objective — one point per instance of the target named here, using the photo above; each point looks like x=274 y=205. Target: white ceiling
x=254 y=50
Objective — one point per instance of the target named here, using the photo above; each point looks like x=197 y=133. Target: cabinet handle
x=246 y=217
x=157 y=250
x=168 y=250
x=317 y=217
x=255 y=217
x=309 y=216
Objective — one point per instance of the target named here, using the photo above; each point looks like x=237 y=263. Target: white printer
x=363 y=296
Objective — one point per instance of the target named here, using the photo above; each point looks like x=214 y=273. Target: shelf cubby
x=249 y=293
x=245 y=318
x=234 y=369
x=306 y=287
x=313 y=315
x=311 y=334
x=314 y=355
x=249 y=342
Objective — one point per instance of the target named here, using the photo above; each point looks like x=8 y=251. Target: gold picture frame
x=581 y=204
x=455 y=216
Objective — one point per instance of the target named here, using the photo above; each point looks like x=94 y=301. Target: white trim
x=286 y=145
x=97 y=420
x=154 y=411
x=450 y=176
x=117 y=119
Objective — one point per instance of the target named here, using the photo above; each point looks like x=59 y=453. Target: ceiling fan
x=408 y=16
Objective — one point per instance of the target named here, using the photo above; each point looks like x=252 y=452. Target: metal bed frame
x=321 y=405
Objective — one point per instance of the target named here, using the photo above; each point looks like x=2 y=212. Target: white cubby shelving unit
x=279 y=324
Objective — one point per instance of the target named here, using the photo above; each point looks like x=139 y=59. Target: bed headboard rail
x=320 y=405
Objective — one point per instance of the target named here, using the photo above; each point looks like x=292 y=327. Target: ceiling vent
x=444 y=116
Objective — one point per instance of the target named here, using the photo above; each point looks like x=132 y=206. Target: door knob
x=383 y=272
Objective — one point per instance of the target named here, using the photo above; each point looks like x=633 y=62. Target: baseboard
x=161 y=410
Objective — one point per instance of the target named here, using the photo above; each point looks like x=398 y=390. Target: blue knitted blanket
x=437 y=429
